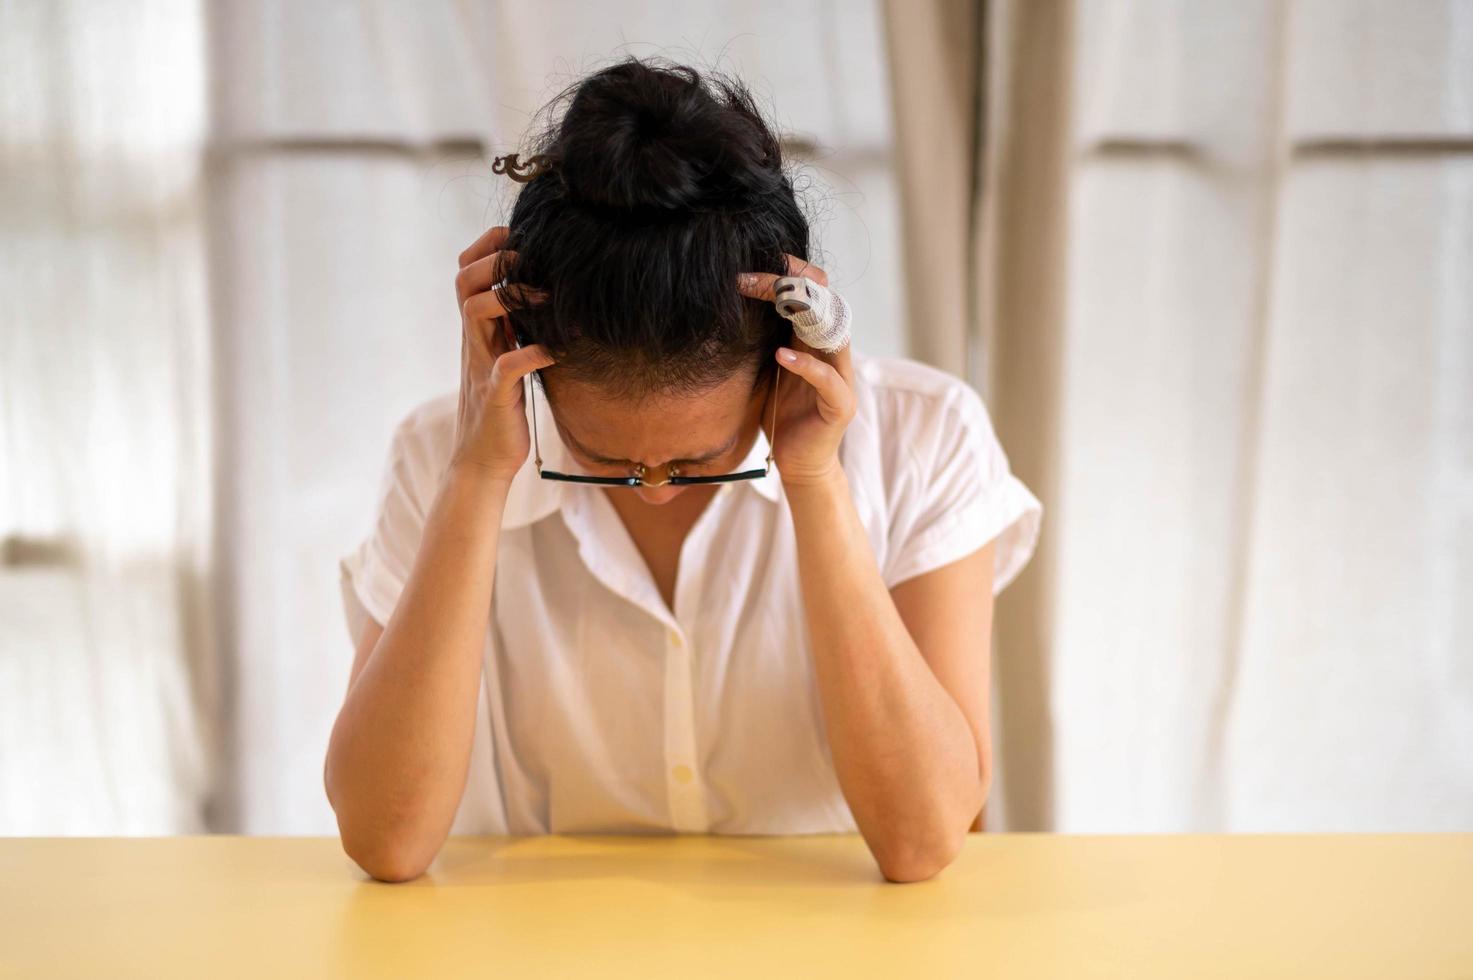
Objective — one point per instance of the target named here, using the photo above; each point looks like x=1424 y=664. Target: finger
x=488 y=337
x=483 y=306
x=481 y=339
x=510 y=368
x=487 y=305
x=802 y=267
x=842 y=360
x=835 y=398
x=759 y=285
x=799 y=344
x=489 y=242
x=484 y=273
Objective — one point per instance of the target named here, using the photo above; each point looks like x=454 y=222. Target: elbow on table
x=390 y=850
x=387 y=861
x=902 y=870
x=389 y=857
x=920 y=852
x=916 y=859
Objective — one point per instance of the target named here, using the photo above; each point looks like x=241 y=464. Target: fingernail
x=747 y=279
x=787 y=355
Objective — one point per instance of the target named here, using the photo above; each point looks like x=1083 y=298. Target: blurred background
x=1210 y=263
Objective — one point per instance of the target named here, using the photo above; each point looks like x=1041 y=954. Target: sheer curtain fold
x=1207 y=263
x=1226 y=331
x=979 y=107
x=934 y=51
x=108 y=679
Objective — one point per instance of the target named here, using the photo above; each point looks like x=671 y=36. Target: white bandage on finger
x=820 y=317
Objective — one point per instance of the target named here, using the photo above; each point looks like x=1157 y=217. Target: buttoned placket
x=684 y=784
x=610 y=554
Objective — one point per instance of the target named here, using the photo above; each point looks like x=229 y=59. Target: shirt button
x=674 y=637
x=683 y=773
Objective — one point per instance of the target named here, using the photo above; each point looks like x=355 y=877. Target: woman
x=802 y=650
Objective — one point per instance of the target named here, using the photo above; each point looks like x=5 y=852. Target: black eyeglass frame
x=637 y=479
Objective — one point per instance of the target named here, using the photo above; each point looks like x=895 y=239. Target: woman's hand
x=816 y=399
x=491 y=427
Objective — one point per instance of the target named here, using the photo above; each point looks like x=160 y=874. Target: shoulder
x=430 y=421
x=905 y=374
x=921 y=411
x=422 y=441
x=938 y=473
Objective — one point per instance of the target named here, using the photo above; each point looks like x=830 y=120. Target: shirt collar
x=531 y=498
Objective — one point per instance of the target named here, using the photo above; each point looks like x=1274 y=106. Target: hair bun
x=640 y=137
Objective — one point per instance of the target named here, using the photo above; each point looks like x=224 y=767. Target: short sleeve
x=373 y=575
x=958 y=492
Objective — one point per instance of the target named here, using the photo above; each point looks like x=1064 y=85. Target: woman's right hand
x=491 y=427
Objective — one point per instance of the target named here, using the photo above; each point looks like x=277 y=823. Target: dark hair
x=662 y=186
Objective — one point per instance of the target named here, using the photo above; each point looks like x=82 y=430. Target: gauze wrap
x=820 y=317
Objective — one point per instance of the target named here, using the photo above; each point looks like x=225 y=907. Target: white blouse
x=604 y=711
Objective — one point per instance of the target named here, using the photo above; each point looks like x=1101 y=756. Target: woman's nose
x=658 y=495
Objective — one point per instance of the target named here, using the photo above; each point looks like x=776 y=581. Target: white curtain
x=1220 y=312
x=107 y=689
x=1231 y=317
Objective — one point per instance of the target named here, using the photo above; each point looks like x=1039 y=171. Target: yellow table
x=1021 y=905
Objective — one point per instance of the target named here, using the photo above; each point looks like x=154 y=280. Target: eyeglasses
x=637 y=479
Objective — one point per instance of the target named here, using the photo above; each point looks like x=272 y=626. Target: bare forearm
x=400 y=751
x=904 y=752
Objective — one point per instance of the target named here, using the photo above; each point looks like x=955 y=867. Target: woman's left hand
x=815 y=397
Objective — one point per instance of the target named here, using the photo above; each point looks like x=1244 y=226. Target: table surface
x=1016 y=905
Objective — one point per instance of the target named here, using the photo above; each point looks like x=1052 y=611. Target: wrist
x=830 y=477
x=478 y=476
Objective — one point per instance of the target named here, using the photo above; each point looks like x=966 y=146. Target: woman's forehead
x=573 y=393
x=668 y=426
